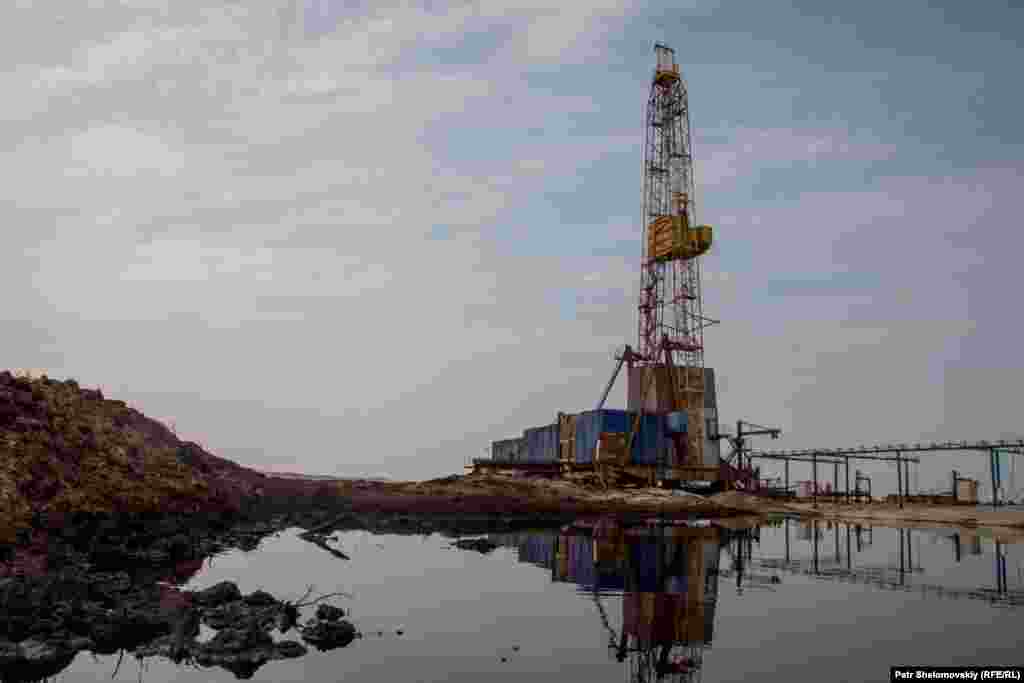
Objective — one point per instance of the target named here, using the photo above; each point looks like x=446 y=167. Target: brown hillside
x=67 y=449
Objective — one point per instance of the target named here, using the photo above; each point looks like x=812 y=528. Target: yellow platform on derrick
x=667 y=74
x=671 y=237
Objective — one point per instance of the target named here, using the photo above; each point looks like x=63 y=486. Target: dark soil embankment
x=67 y=450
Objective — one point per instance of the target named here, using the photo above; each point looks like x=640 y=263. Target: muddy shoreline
x=109 y=583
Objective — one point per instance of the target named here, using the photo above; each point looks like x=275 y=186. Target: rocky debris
x=328 y=635
x=329 y=613
x=260 y=598
x=480 y=545
x=243 y=650
x=229 y=615
x=33 y=660
x=146 y=623
x=47 y=617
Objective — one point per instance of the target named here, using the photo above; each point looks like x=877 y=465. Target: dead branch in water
x=301 y=602
x=290 y=610
x=318 y=539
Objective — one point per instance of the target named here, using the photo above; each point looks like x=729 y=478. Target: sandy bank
x=506 y=494
x=1001 y=524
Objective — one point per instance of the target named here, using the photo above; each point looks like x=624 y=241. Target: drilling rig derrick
x=666 y=374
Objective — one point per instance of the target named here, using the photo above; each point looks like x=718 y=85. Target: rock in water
x=481 y=545
x=329 y=613
x=225 y=591
x=260 y=599
x=328 y=635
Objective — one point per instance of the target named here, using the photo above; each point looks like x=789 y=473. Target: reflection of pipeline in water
x=832 y=556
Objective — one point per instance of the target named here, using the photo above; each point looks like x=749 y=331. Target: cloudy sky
x=340 y=237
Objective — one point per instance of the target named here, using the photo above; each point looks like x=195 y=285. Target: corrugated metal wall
x=712 y=447
x=507 y=450
x=567 y=437
x=648 y=444
x=542 y=445
x=589 y=426
x=652 y=441
x=710 y=392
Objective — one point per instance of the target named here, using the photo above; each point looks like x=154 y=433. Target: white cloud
x=122 y=151
x=729 y=153
x=242 y=210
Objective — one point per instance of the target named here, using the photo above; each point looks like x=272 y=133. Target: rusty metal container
x=566 y=438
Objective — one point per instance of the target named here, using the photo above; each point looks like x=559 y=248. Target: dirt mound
x=67 y=449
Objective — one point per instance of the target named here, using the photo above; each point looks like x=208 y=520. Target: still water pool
x=790 y=601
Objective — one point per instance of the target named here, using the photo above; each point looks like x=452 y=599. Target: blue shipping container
x=651 y=442
x=676 y=423
x=648 y=443
x=542 y=445
x=589 y=426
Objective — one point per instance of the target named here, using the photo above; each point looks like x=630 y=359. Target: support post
x=994 y=460
x=835 y=538
x=814 y=478
x=739 y=443
x=847 y=480
x=899 y=485
x=849 y=556
x=1001 y=556
x=787 y=536
x=902 y=559
x=814 y=526
x=787 y=477
x=835 y=480
x=910 y=553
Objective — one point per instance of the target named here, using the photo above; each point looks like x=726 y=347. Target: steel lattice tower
x=671 y=321
x=670 y=297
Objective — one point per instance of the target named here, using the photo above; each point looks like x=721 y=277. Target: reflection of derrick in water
x=669 y=593
x=668 y=578
x=671 y=625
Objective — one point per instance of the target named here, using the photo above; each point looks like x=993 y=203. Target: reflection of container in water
x=537 y=549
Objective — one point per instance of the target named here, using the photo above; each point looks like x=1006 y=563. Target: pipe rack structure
x=992 y=448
